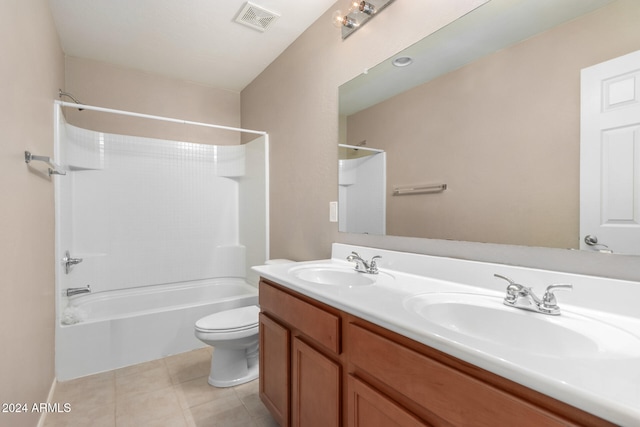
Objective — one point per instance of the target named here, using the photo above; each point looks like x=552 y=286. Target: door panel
x=610 y=155
x=274 y=368
x=315 y=388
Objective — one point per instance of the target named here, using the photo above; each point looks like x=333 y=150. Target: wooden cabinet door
x=369 y=408
x=315 y=388
x=274 y=368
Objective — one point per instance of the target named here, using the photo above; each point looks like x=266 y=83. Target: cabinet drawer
x=316 y=323
x=456 y=397
x=368 y=408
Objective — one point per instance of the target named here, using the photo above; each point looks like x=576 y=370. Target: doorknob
x=591 y=240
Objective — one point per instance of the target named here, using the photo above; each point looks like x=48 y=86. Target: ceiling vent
x=256 y=17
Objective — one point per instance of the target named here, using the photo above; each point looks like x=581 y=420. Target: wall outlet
x=333 y=211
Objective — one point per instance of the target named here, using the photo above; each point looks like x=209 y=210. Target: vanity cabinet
x=300 y=365
x=323 y=367
x=438 y=392
x=368 y=407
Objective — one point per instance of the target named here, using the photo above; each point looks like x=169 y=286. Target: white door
x=610 y=156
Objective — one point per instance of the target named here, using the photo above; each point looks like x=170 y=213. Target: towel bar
x=54 y=168
x=419 y=189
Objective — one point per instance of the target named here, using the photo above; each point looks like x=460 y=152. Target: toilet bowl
x=234 y=336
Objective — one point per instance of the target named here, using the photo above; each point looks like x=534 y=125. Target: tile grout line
x=180 y=370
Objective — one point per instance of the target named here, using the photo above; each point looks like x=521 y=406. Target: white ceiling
x=193 y=40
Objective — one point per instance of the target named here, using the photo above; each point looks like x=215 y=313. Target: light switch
x=333 y=211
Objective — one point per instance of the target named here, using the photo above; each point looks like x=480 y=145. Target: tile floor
x=169 y=392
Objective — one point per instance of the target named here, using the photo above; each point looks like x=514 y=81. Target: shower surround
x=167 y=232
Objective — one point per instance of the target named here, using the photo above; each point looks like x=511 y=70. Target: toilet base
x=231 y=367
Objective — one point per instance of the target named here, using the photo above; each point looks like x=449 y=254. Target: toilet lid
x=230 y=320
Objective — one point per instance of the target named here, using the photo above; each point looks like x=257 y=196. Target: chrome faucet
x=76 y=291
x=520 y=296
x=367 y=267
x=68 y=262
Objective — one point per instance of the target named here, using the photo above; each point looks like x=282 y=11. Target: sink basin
x=484 y=319
x=332 y=275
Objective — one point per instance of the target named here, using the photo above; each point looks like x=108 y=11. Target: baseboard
x=43 y=414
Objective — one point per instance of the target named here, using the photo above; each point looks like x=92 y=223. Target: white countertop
x=608 y=387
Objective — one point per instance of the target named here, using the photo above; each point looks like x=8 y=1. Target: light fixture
x=365 y=7
x=402 y=61
x=357 y=15
x=341 y=20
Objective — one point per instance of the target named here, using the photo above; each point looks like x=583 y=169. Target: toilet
x=234 y=334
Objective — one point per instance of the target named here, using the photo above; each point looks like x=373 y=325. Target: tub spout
x=76 y=291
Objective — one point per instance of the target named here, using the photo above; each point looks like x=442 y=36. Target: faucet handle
x=511 y=281
x=373 y=267
x=513 y=288
x=354 y=257
x=549 y=299
x=515 y=291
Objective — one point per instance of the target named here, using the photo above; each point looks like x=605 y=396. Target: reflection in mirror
x=361 y=189
x=495 y=115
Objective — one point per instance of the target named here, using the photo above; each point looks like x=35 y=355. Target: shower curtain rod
x=148 y=116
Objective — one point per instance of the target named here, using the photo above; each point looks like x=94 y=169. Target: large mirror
x=480 y=123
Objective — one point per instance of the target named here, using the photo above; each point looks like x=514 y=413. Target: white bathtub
x=121 y=328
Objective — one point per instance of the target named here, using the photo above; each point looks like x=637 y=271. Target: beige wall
x=503 y=133
x=32 y=70
x=295 y=100
x=109 y=86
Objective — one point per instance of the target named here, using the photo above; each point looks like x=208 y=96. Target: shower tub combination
x=122 y=328
x=166 y=232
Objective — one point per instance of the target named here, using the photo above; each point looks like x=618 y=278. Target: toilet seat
x=236 y=320
x=234 y=334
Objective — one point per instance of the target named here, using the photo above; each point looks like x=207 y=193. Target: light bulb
x=338 y=18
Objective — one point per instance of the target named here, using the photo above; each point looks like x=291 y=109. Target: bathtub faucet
x=76 y=291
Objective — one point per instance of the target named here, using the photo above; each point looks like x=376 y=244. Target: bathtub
x=125 y=327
